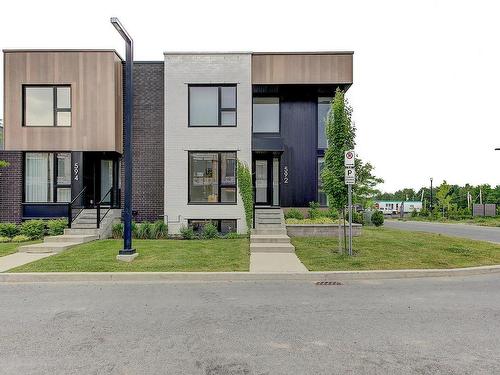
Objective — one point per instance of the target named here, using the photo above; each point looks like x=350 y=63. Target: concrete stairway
x=269 y=235
x=83 y=229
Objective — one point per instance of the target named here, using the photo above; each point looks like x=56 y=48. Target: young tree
x=443 y=196
x=365 y=189
x=340 y=133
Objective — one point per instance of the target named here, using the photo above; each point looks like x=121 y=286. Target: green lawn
x=154 y=255
x=382 y=248
x=11 y=247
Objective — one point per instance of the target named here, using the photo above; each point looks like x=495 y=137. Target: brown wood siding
x=268 y=69
x=96 y=94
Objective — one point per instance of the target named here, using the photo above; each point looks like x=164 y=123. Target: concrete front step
x=47 y=247
x=77 y=238
x=83 y=226
x=272 y=248
x=269 y=238
x=80 y=231
x=269 y=231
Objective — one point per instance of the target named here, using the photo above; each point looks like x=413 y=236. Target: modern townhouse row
x=195 y=115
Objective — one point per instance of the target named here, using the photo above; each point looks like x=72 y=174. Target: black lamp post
x=128 y=253
x=431 y=197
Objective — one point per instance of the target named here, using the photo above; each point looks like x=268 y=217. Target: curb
x=241 y=276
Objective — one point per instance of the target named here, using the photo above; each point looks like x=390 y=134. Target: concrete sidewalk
x=276 y=262
x=8 y=262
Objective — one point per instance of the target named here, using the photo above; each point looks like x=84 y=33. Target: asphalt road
x=412 y=326
x=474 y=232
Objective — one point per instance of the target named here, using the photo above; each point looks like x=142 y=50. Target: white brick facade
x=191 y=68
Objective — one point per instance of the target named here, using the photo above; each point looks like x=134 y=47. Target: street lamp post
x=127 y=254
x=431 y=197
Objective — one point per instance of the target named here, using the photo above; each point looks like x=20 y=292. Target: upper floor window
x=212 y=105
x=266 y=115
x=212 y=177
x=323 y=109
x=47 y=105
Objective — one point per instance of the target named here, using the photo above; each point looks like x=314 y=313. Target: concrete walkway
x=275 y=262
x=8 y=262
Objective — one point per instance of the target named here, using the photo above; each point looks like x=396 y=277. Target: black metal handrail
x=70 y=207
x=98 y=216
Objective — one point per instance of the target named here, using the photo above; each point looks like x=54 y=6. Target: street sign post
x=350 y=179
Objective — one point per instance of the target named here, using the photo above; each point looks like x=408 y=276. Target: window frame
x=219 y=223
x=55 y=169
x=319 y=181
x=55 y=109
x=317 y=122
x=279 y=113
x=219 y=176
x=220 y=109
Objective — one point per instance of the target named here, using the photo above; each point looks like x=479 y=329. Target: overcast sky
x=426 y=74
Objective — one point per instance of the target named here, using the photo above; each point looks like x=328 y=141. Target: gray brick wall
x=11 y=187
x=148 y=142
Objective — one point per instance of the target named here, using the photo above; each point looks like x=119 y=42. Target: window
x=212 y=105
x=323 y=109
x=266 y=115
x=212 y=177
x=322 y=199
x=47 y=177
x=47 y=105
x=224 y=226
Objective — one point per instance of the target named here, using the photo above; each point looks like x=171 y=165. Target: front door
x=266 y=181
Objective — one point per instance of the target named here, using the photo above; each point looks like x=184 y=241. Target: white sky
x=426 y=74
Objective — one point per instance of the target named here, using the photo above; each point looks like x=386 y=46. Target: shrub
x=357 y=217
x=332 y=213
x=134 y=228
x=21 y=238
x=4 y=239
x=8 y=230
x=159 y=230
x=56 y=227
x=117 y=230
x=209 y=231
x=414 y=213
x=318 y=220
x=314 y=211
x=187 y=233
x=34 y=229
x=294 y=213
x=232 y=236
x=245 y=188
x=144 y=230
x=378 y=218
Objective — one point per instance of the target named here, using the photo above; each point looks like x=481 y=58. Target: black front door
x=266 y=180
x=101 y=179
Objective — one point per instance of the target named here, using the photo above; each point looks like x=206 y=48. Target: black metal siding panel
x=298 y=131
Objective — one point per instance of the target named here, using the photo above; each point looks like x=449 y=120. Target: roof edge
x=49 y=50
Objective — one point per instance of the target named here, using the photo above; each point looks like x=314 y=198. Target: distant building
x=394 y=207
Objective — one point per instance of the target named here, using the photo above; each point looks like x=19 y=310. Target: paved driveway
x=474 y=232
x=429 y=326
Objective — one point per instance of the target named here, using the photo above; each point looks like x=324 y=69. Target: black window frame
x=55 y=108
x=320 y=182
x=279 y=113
x=317 y=123
x=219 y=176
x=220 y=109
x=218 y=225
x=55 y=169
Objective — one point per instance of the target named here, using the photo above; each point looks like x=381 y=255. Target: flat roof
x=258 y=53
x=61 y=50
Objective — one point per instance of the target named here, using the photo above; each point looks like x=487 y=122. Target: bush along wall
x=246 y=191
x=32 y=230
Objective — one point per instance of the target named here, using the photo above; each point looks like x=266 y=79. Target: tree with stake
x=340 y=133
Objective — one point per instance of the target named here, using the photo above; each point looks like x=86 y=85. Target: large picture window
x=266 y=115
x=212 y=105
x=47 y=177
x=322 y=199
x=323 y=109
x=47 y=105
x=212 y=177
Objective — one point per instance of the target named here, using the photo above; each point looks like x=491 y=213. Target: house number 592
x=285 y=175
